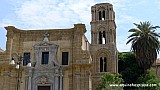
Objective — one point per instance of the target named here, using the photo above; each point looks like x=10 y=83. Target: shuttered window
x=64 y=58
x=45 y=57
x=26 y=58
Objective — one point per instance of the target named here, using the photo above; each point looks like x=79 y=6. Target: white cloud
x=125 y=21
x=6 y=22
x=52 y=14
x=122 y=46
x=35 y=14
x=57 y=13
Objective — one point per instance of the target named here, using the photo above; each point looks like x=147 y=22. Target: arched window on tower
x=100 y=15
x=104 y=37
x=100 y=37
x=103 y=64
x=103 y=15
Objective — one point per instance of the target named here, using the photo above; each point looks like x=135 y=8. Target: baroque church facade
x=61 y=59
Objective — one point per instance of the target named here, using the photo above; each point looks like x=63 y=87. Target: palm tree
x=145 y=44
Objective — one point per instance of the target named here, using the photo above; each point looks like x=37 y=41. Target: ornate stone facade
x=62 y=59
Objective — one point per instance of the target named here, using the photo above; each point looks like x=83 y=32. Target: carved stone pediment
x=41 y=44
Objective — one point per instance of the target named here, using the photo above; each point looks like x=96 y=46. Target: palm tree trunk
x=144 y=70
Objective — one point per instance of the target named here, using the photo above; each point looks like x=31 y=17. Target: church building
x=60 y=59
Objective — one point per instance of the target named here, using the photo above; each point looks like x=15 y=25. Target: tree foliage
x=150 y=80
x=145 y=43
x=108 y=80
x=128 y=68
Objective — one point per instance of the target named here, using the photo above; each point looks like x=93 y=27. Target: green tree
x=108 y=80
x=150 y=81
x=128 y=68
x=145 y=44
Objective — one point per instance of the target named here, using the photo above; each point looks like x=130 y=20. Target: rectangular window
x=64 y=58
x=26 y=58
x=45 y=57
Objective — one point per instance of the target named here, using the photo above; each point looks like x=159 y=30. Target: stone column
x=78 y=82
x=29 y=80
x=29 y=83
x=9 y=42
x=61 y=83
x=56 y=83
x=39 y=56
x=36 y=55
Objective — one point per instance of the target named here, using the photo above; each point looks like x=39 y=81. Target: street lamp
x=18 y=66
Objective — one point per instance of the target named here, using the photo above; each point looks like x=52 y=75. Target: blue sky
x=47 y=14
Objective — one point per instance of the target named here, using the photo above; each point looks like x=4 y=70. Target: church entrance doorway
x=44 y=88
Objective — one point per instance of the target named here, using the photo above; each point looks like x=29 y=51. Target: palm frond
x=134 y=35
x=131 y=39
x=144 y=43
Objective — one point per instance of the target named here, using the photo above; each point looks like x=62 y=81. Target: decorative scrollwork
x=43 y=80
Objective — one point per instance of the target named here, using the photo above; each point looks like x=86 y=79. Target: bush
x=149 y=79
x=110 y=79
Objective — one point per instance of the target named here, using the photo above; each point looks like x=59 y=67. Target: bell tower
x=103 y=27
x=103 y=41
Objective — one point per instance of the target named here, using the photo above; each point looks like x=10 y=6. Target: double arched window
x=101 y=15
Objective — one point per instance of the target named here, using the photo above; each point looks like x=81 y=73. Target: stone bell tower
x=103 y=41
